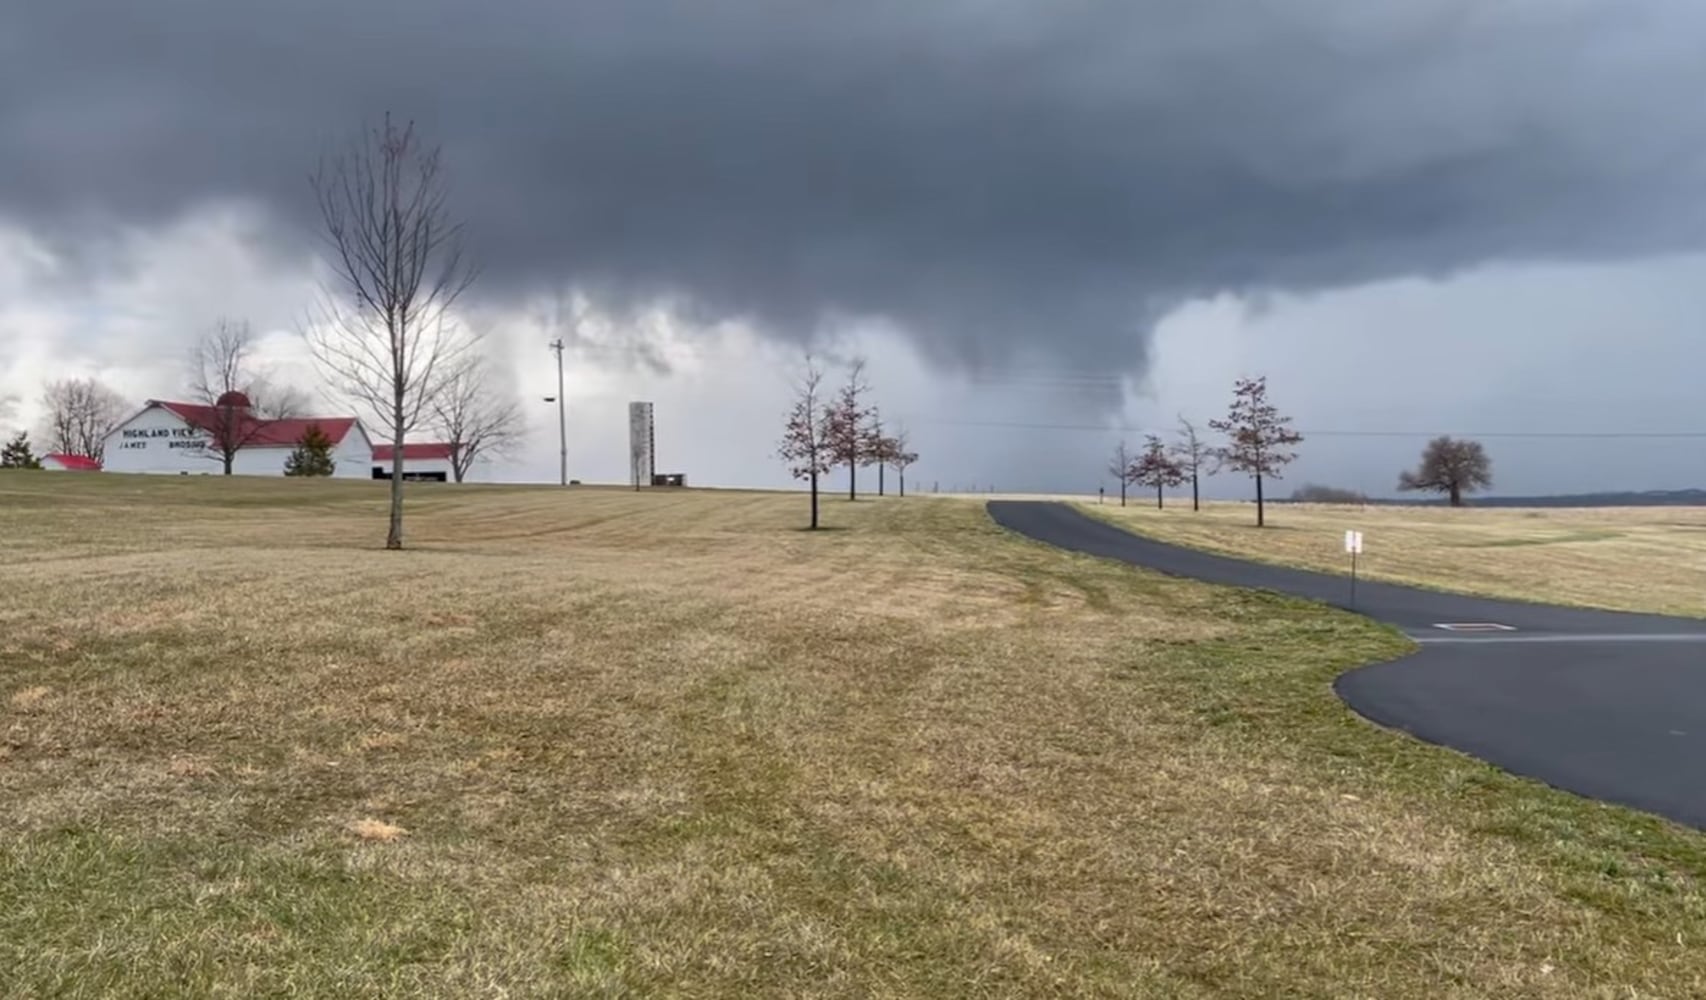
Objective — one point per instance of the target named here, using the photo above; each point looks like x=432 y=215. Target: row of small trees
x=1260 y=442
x=824 y=431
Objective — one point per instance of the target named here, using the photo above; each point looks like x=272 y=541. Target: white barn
x=168 y=438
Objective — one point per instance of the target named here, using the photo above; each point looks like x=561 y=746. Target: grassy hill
x=594 y=742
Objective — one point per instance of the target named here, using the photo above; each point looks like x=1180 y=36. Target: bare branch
x=78 y=415
x=477 y=417
x=241 y=396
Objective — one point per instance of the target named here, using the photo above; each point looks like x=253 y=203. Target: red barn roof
x=74 y=463
x=256 y=433
x=422 y=452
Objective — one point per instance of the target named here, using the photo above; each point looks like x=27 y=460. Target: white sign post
x=1353 y=545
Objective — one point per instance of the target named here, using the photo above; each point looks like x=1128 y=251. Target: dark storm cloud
x=989 y=175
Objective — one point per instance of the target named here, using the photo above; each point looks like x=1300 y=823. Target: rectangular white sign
x=1353 y=542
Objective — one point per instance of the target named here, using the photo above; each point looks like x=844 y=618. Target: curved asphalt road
x=1601 y=703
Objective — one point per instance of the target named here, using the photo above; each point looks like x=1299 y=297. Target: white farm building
x=170 y=438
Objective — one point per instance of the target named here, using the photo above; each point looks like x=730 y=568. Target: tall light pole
x=562 y=417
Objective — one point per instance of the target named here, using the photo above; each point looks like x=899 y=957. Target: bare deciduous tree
x=1155 y=467
x=78 y=414
x=387 y=338
x=849 y=425
x=901 y=456
x=1259 y=440
x=477 y=416
x=805 y=437
x=1120 y=468
x=225 y=378
x=1191 y=451
x=1450 y=467
x=878 y=449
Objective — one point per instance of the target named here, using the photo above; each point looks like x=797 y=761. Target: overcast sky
x=1041 y=221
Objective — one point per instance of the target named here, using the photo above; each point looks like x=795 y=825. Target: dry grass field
x=594 y=743
x=1629 y=559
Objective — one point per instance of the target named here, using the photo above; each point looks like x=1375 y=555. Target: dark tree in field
x=1190 y=451
x=1120 y=468
x=1450 y=467
x=79 y=414
x=849 y=425
x=901 y=455
x=1259 y=440
x=1155 y=467
x=225 y=378
x=17 y=454
x=387 y=338
x=313 y=455
x=805 y=440
x=476 y=415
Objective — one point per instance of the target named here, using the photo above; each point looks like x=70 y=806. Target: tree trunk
x=1122 y=493
x=1196 y=503
x=1158 y=503
x=880 y=467
x=814 y=501
x=1259 y=519
x=853 y=479
x=1456 y=495
x=902 y=471
x=394 y=536
x=228 y=457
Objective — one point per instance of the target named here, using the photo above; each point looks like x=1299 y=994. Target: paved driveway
x=1601 y=703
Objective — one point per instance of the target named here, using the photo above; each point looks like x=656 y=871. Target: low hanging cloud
x=999 y=179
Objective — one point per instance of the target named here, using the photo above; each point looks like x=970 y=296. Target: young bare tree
x=225 y=377
x=1259 y=440
x=805 y=442
x=1450 y=467
x=849 y=425
x=1191 y=452
x=901 y=456
x=78 y=414
x=477 y=416
x=1120 y=468
x=1155 y=467
x=877 y=449
x=387 y=338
